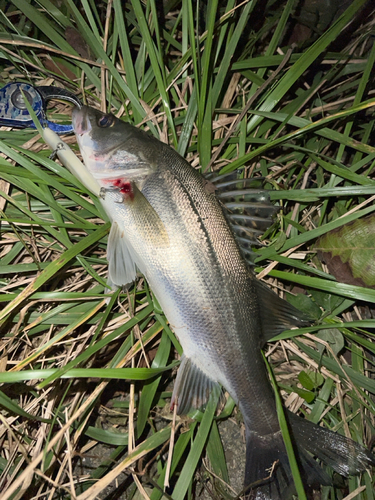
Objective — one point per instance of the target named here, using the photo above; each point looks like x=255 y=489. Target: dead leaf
x=76 y=40
x=349 y=252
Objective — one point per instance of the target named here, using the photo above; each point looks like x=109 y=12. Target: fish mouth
x=80 y=121
x=132 y=175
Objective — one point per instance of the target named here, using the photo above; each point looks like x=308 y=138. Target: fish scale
x=171 y=223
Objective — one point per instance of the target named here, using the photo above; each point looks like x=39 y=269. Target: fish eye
x=106 y=121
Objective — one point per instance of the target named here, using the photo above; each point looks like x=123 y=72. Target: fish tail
x=344 y=455
x=267 y=472
x=268 y=475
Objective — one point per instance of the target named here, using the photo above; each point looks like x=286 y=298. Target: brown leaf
x=59 y=68
x=76 y=40
x=349 y=252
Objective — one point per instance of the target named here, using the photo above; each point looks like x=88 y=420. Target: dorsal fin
x=247 y=208
x=233 y=178
x=277 y=314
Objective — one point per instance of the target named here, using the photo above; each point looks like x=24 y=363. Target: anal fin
x=192 y=387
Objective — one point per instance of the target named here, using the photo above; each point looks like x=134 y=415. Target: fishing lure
x=13 y=109
x=14 y=113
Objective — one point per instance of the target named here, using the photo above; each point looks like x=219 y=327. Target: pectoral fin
x=192 y=387
x=121 y=266
x=147 y=220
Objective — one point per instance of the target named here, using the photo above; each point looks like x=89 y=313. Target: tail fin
x=268 y=475
x=344 y=455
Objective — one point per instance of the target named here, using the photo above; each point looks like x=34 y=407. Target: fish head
x=111 y=148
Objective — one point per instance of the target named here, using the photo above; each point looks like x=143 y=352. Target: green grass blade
x=286 y=437
x=50 y=270
x=191 y=462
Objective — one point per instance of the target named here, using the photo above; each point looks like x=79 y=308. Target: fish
x=190 y=237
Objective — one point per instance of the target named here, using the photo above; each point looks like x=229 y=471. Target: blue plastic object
x=13 y=111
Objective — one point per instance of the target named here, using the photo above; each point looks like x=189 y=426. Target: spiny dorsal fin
x=247 y=208
x=224 y=180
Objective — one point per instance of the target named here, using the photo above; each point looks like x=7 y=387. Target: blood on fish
x=124 y=187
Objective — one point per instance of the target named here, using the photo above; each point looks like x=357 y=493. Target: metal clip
x=13 y=111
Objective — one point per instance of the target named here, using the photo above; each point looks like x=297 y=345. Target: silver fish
x=168 y=223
